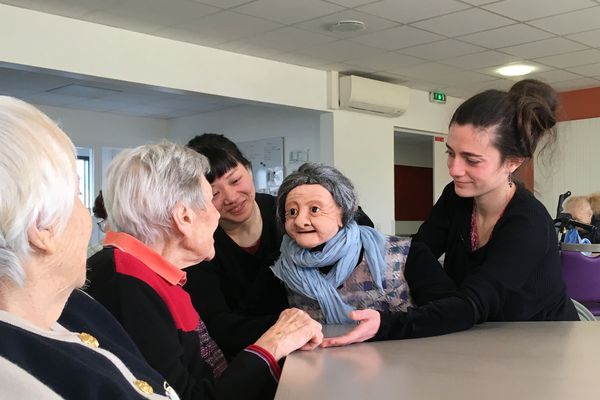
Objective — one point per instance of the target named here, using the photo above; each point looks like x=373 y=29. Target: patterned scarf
x=298 y=267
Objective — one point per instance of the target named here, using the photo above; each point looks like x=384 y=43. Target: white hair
x=143 y=186
x=38 y=181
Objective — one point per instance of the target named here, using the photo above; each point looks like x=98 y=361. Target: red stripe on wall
x=579 y=104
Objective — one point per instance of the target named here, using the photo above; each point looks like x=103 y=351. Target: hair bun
x=535 y=111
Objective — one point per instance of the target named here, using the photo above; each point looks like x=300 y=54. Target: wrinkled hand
x=294 y=330
x=368 y=325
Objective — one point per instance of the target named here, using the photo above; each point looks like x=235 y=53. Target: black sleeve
x=425 y=276
x=233 y=331
x=434 y=230
x=438 y=317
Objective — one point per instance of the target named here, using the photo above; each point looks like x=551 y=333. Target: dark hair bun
x=535 y=111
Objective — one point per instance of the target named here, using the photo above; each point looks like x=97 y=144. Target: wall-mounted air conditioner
x=373 y=97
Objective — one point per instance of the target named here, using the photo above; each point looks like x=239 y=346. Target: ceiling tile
x=227 y=25
x=288 y=39
x=72 y=8
x=591 y=38
x=428 y=71
x=162 y=13
x=573 y=22
x=397 y=38
x=373 y=23
x=553 y=76
x=441 y=50
x=383 y=61
x=288 y=11
x=342 y=50
x=222 y=3
x=543 y=48
x=530 y=9
x=589 y=70
x=506 y=36
x=406 y=11
x=351 y=3
x=481 y=60
x=478 y=2
x=463 y=22
x=573 y=59
x=574 y=84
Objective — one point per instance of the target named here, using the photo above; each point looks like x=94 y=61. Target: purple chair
x=582 y=277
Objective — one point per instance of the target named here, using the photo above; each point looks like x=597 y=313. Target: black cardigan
x=514 y=277
x=70 y=369
x=170 y=349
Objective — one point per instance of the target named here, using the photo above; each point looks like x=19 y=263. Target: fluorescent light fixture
x=516 y=70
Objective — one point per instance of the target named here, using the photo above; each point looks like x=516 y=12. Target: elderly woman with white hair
x=44 y=232
x=162 y=221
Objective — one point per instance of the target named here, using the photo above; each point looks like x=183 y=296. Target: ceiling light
x=347 y=26
x=516 y=70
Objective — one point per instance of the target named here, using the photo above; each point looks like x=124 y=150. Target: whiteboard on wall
x=266 y=156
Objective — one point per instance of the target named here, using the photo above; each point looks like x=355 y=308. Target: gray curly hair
x=327 y=176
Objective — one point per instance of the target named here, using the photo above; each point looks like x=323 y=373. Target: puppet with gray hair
x=330 y=264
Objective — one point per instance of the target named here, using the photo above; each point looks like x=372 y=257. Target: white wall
x=573 y=165
x=97 y=130
x=299 y=128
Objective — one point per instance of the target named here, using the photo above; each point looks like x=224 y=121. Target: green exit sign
x=437 y=97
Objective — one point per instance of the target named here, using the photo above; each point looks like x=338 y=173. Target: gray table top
x=504 y=361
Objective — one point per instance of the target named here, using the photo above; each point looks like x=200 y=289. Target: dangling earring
x=510 y=180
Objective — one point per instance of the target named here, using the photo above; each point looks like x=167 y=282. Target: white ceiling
x=446 y=45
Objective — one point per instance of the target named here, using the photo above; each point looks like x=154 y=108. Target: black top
x=236 y=293
x=157 y=317
x=514 y=277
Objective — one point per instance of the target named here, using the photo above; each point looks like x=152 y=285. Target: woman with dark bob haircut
x=499 y=241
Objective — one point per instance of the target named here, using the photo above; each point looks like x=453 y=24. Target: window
x=86 y=179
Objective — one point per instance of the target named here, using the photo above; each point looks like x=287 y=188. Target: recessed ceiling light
x=347 y=26
x=516 y=70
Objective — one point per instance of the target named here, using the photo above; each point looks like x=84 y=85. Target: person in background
x=100 y=214
x=331 y=264
x=162 y=221
x=581 y=211
x=499 y=241
x=57 y=342
x=594 y=199
x=236 y=293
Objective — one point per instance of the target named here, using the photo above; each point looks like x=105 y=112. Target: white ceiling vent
x=373 y=97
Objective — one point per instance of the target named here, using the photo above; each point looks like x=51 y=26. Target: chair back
x=582 y=278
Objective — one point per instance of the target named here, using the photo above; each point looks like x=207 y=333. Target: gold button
x=89 y=340
x=143 y=386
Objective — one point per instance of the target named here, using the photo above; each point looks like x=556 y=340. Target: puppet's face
x=311 y=215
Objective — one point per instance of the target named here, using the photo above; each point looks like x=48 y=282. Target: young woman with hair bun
x=499 y=243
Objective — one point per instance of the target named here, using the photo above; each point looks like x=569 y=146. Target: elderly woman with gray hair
x=57 y=342
x=332 y=265
x=162 y=220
